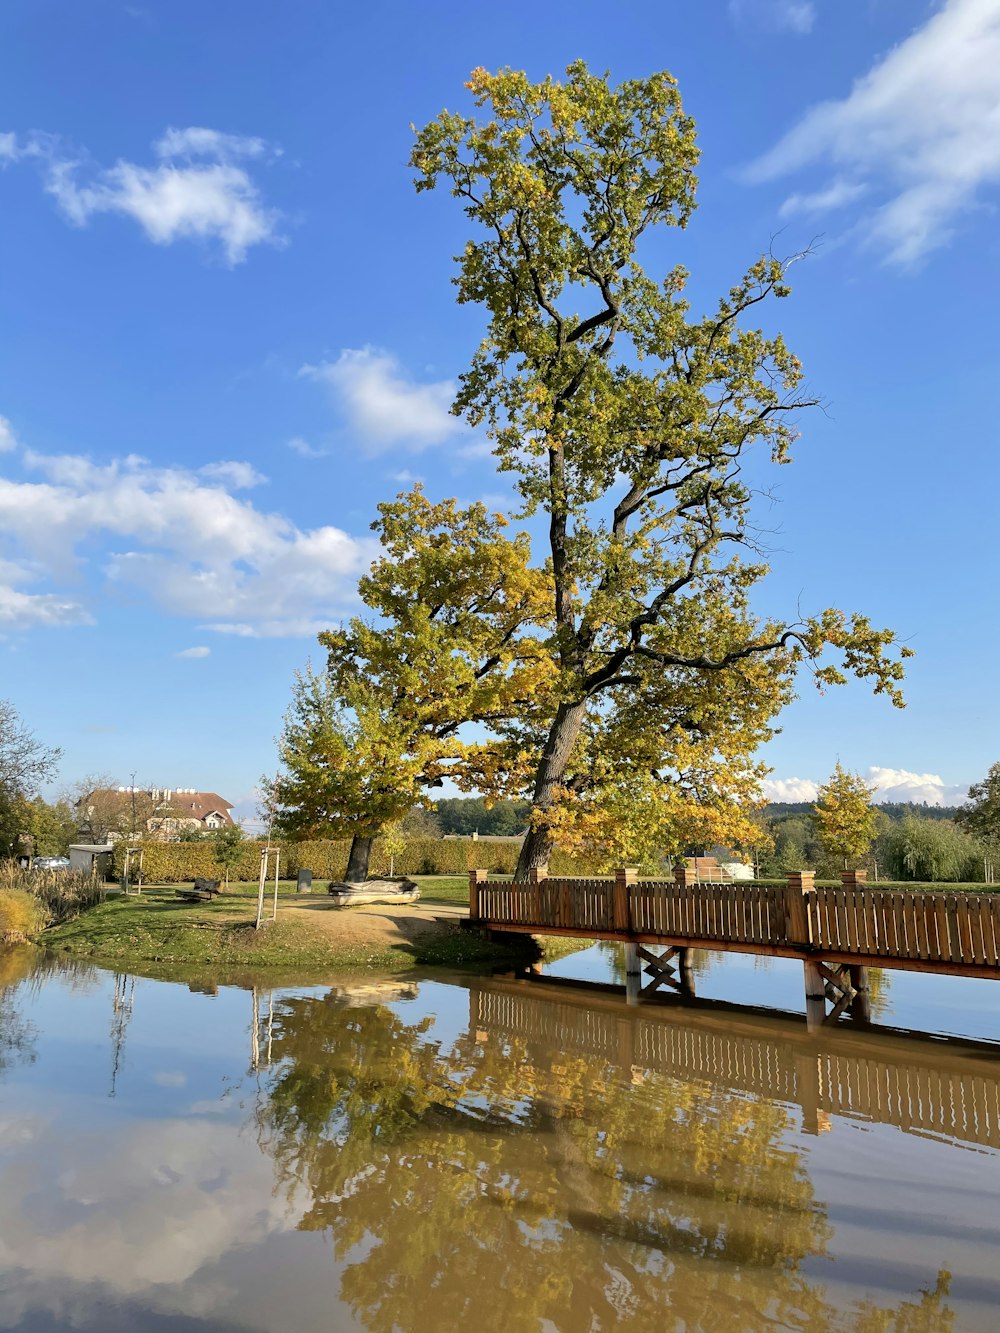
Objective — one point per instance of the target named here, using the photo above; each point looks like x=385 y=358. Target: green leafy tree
x=470 y=814
x=24 y=764
x=980 y=817
x=930 y=851
x=846 y=821
x=227 y=848
x=451 y=641
x=630 y=423
x=50 y=826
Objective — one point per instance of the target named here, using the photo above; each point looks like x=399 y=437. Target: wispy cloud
x=20 y=610
x=196 y=141
x=304 y=449
x=237 y=476
x=382 y=406
x=919 y=134
x=8 y=440
x=194 y=652
x=199 y=187
x=797 y=16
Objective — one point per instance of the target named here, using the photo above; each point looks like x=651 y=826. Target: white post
x=260 y=889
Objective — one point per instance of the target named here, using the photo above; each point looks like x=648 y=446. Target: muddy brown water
x=477 y=1154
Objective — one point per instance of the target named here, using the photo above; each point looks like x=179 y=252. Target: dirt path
x=385 y=924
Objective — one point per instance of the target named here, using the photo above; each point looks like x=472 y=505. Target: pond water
x=484 y=1154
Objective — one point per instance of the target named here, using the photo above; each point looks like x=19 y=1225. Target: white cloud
x=8 y=148
x=186 y=544
x=193 y=652
x=383 y=407
x=899 y=784
x=196 y=190
x=921 y=131
x=789 y=789
x=238 y=476
x=891 y=784
x=304 y=449
x=8 y=440
x=406 y=477
x=796 y=16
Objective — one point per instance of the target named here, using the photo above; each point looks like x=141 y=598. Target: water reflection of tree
x=16 y=1034
x=23 y=970
x=486 y=1187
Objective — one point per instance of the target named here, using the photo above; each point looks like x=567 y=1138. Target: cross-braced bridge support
x=671 y=967
x=842 y=986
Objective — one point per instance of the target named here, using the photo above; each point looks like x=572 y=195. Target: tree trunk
x=538 y=845
x=357 y=862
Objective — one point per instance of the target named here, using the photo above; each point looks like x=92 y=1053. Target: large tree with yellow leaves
x=630 y=424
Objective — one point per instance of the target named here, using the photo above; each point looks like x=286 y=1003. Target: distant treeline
x=894 y=810
x=465 y=815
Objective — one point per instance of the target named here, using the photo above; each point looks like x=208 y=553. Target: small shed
x=91 y=858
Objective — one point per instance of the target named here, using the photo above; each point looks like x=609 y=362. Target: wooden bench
x=201 y=891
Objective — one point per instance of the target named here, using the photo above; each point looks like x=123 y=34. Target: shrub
x=21 y=914
x=175 y=862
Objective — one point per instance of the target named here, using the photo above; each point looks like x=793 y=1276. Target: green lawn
x=157 y=926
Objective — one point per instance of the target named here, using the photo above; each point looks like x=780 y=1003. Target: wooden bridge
x=838 y=933
x=932 y=1089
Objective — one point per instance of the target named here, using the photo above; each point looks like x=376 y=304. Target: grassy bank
x=156 y=927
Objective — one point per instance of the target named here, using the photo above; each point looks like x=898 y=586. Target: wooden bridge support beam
x=836 y=983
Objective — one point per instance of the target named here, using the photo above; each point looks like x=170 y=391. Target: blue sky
x=227 y=330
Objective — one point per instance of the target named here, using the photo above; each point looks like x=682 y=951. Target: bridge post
x=686 y=971
x=537 y=875
x=625 y=877
x=798 y=918
x=815 y=995
x=476 y=877
x=633 y=973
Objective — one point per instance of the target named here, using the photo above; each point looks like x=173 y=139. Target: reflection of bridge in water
x=936 y=1089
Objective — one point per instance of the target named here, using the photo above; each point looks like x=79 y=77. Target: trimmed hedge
x=176 y=862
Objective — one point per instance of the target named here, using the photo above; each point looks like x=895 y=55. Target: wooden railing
x=944 y=931
x=887 y=923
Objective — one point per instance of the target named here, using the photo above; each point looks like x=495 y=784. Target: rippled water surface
x=492 y=1154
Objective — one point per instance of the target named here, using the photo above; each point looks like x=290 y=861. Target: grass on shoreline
x=157 y=927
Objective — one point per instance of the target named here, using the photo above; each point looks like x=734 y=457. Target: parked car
x=50 y=863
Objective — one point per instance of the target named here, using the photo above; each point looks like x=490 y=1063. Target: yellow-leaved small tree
x=846 y=820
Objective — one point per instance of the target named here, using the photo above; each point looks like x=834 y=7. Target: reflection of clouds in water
x=15 y=1131
x=153 y=1205
x=167 y=1079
